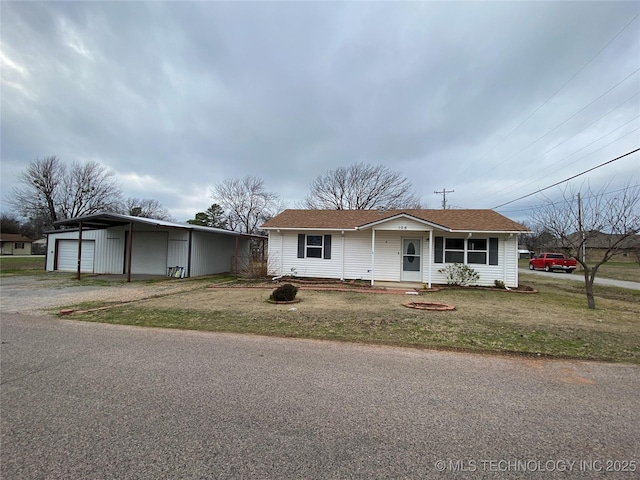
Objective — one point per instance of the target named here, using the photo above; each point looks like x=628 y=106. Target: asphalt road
x=92 y=401
x=578 y=277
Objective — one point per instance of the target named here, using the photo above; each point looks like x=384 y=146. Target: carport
x=110 y=243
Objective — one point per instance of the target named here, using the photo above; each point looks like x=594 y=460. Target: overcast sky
x=175 y=97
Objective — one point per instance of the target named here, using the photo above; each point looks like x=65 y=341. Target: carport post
x=129 y=253
x=79 y=250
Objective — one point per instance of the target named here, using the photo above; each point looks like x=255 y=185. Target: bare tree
x=579 y=219
x=89 y=188
x=360 y=187
x=247 y=203
x=40 y=187
x=49 y=190
x=146 y=207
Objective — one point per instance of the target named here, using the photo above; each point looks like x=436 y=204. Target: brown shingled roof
x=457 y=220
x=13 y=237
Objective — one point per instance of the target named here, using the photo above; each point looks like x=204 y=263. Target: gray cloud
x=177 y=96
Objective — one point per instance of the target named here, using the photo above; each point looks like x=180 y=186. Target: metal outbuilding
x=110 y=243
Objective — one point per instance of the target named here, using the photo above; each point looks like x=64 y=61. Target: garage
x=111 y=242
x=67 y=256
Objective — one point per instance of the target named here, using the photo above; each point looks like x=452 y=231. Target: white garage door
x=149 y=253
x=68 y=256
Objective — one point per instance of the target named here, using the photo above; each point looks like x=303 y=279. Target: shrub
x=284 y=293
x=499 y=284
x=460 y=275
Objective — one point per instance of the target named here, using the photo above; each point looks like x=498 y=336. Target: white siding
x=402 y=225
x=289 y=262
x=388 y=256
x=274 y=253
x=352 y=259
x=149 y=255
x=110 y=245
x=178 y=248
x=357 y=257
x=212 y=254
x=506 y=270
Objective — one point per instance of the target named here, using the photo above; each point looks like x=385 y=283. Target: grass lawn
x=629 y=271
x=554 y=322
x=32 y=265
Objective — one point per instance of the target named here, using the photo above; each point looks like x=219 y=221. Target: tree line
x=50 y=190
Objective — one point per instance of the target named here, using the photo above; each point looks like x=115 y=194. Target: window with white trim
x=454 y=250
x=314 y=246
x=477 y=250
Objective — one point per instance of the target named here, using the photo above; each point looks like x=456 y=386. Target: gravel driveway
x=35 y=295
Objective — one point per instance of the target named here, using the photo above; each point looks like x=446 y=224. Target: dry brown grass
x=553 y=322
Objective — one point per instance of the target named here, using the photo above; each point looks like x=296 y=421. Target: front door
x=411 y=262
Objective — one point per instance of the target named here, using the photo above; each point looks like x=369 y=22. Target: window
x=477 y=250
x=454 y=250
x=314 y=246
x=18 y=245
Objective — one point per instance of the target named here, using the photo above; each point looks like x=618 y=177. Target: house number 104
x=402 y=227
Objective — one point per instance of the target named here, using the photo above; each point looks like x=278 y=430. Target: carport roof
x=105 y=220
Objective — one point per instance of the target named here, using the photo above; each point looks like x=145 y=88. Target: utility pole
x=444 y=196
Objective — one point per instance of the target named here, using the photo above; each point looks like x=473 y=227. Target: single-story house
x=393 y=245
x=596 y=244
x=14 y=244
x=120 y=244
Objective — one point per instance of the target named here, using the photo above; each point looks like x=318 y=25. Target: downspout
x=343 y=241
x=130 y=252
x=373 y=254
x=504 y=261
x=430 y=258
x=79 y=250
x=281 y=252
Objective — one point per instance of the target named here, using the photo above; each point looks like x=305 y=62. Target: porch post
x=130 y=252
x=79 y=250
x=430 y=259
x=373 y=254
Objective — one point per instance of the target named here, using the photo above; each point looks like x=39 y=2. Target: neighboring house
x=524 y=252
x=597 y=243
x=14 y=244
x=121 y=244
x=393 y=245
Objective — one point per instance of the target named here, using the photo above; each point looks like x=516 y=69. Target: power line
x=562 y=123
x=570 y=178
x=586 y=197
x=558 y=91
x=529 y=181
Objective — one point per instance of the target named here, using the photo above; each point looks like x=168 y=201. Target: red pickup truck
x=552 y=261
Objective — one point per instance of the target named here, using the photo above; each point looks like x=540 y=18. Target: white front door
x=411 y=260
